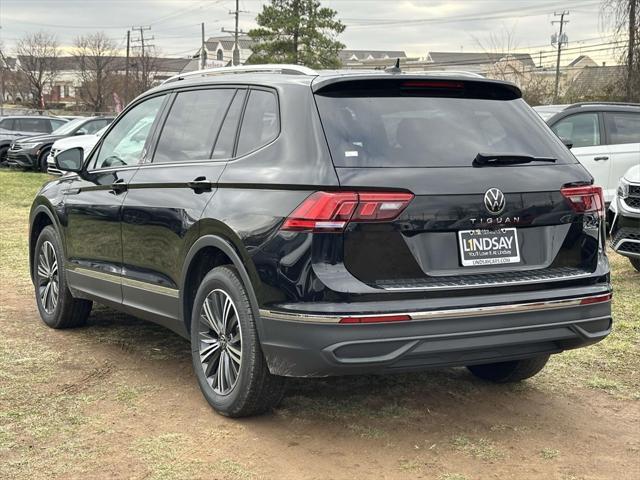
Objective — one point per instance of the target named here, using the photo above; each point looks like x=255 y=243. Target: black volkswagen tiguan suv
x=307 y=224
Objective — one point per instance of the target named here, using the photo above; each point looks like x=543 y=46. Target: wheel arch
x=41 y=217
x=208 y=252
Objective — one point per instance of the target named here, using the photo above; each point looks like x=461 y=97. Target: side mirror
x=567 y=143
x=70 y=160
x=81 y=132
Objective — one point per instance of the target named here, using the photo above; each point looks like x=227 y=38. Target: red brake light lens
x=432 y=84
x=331 y=211
x=585 y=199
x=597 y=299
x=380 y=319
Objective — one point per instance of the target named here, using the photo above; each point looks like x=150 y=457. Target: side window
x=227 y=136
x=583 y=129
x=6 y=124
x=55 y=124
x=125 y=142
x=36 y=125
x=93 y=126
x=192 y=125
x=260 y=124
x=622 y=127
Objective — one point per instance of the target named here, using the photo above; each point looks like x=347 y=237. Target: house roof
x=359 y=55
x=598 y=78
x=584 y=59
x=228 y=41
x=476 y=58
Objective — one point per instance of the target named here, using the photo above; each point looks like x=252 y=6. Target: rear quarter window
x=623 y=127
x=260 y=123
x=429 y=131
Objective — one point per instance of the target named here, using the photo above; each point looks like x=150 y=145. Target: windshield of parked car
x=431 y=131
x=69 y=127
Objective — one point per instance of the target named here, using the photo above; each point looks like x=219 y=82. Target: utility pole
x=236 y=32
x=126 y=70
x=203 y=51
x=633 y=5
x=143 y=58
x=562 y=21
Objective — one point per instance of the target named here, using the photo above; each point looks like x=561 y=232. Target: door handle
x=600 y=159
x=200 y=184
x=119 y=186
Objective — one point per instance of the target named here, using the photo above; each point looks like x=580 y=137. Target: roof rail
x=587 y=104
x=283 y=69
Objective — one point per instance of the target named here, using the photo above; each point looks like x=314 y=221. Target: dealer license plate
x=488 y=247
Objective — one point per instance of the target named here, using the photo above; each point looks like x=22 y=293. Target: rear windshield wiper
x=495 y=159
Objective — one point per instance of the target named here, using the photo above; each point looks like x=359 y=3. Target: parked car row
x=604 y=137
x=26 y=141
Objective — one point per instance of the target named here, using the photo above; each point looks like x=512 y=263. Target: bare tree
x=97 y=65
x=144 y=68
x=37 y=59
x=624 y=17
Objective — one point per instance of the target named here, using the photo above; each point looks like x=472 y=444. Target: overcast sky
x=413 y=26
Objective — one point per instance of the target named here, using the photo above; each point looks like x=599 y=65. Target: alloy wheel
x=220 y=341
x=48 y=279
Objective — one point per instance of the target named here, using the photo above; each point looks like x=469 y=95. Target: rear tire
x=57 y=307
x=636 y=263
x=227 y=359
x=507 y=372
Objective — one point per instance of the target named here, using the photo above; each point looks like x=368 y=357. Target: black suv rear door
x=168 y=194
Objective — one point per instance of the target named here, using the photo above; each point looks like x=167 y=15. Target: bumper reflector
x=381 y=319
x=596 y=299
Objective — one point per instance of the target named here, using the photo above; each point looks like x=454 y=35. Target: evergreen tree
x=299 y=32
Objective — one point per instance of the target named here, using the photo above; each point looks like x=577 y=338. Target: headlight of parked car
x=623 y=188
x=26 y=146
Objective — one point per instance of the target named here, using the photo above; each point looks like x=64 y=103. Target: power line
x=506 y=13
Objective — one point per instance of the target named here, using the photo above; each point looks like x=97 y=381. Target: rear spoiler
x=407 y=84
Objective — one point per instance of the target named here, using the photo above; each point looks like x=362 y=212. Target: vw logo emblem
x=494 y=201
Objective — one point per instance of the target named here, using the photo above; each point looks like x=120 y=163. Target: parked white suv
x=625 y=228
x=86 y=142
x=605 y=138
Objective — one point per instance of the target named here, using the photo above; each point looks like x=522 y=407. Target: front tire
x=636 y=263
x=42 y=161
x=227 y=359
x=3 y=156
x=508 y=372
x=57 y=307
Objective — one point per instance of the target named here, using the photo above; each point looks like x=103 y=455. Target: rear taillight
x=331 y=211
x=585 y=199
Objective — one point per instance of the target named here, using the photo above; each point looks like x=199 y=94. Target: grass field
x=117 y=399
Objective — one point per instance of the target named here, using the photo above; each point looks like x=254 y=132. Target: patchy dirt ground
x=118 y=399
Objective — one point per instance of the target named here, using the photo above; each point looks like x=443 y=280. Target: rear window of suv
x=431 y=131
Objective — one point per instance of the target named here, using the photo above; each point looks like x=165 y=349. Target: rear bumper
x=314 y=345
